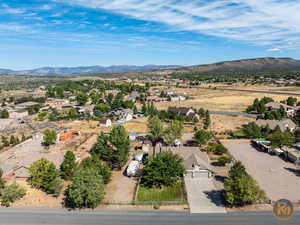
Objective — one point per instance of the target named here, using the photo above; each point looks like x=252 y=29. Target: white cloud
x=263 y=22
x=273 y=49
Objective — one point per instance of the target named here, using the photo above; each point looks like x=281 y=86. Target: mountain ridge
x=254 y=64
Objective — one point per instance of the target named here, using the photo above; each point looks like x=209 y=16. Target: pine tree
x=68 y=165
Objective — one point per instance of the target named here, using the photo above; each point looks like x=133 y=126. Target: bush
x=224 y=160
x=87 y=189
x=220 y=150
x=11 y=193
x=2 y=181
x=45 y=176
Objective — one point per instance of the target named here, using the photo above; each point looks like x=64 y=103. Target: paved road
x=62 y=217
x=234 y=114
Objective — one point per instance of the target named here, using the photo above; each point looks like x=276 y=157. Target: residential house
x=290 y=110
x=105 y=122
x=26 y=105
x=197 y=166
x=132 y=97
x=183 y=111
x=19 y=113
x=123 y=114
x=282 y=124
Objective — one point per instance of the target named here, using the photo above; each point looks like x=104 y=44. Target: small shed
x=105 y=122
x=66 y=136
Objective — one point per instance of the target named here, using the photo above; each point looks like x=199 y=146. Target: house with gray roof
x=282 y=124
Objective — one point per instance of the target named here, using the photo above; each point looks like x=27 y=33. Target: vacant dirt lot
x=279 y=179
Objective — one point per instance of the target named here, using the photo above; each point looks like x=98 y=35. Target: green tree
x=252 y=130
x=173 y=132
x=280 y=139
x=86 y=190
x=82 y=98
x=155 y=130
x=113 y=148
x=2 y=181
x=72 y=113
x=165 y=169
x=11 y=193
x=4 y=114
x=207 y=120
x=68 y=166
x=241 y=189
x=45 y=176
x=201 y=137
x=94 y=162
x=291 y=101
x=49 y=137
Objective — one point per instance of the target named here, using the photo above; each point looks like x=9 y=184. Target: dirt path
x=121 y=189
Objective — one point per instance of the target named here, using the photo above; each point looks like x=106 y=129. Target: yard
x=279 y=179
x=169 y=194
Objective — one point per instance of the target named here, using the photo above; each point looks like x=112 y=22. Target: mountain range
x=57 y=71
x=257 y=64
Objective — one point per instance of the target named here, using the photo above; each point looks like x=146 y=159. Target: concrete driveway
x=203 y=197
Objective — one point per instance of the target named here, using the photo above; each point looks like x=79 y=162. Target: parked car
x=132 y=168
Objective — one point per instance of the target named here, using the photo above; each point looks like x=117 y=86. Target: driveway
x=279 y=179
x=203 y=197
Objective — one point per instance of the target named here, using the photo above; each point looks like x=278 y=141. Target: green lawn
x=238 y=134
x=174 y=193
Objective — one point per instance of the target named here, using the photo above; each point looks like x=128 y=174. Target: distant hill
x=57 y=71
x=257 y=64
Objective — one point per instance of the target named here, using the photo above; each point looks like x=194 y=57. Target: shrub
x=11 y=193
x=224 y=160
x=220 y=150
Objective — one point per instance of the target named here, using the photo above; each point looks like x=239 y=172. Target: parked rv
x=132 y=168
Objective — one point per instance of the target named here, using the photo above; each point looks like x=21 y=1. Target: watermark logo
x=283 y=209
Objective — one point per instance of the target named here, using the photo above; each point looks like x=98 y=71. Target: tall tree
x=173 y=132
x=45 y=176
x=165 y=169
x=49 y=137
x=68 y=166
x=86 y=190
x=201 y=137
x=155 y=130
x=113 y=148
x=82 y=98
x=241 y=189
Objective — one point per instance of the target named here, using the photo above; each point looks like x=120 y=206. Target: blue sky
x=37 y=33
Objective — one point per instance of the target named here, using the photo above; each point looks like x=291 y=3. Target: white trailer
x=132 y=168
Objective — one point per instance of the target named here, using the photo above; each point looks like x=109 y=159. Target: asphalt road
x=104 y=217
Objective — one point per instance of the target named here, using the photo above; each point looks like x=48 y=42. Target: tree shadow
x=294 y=171
x=216 y=197
x=220 y=178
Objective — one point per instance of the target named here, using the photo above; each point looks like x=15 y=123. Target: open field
x=279 y=179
